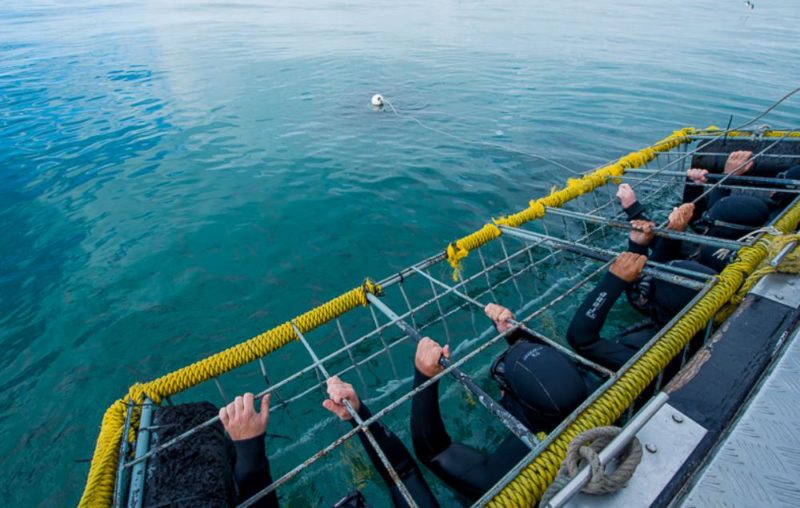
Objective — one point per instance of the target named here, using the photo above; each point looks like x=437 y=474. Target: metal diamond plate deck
x=759 y=463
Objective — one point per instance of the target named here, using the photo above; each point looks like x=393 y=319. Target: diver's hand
x=339 y=391
x=427 y=358
x=697 y=175
x=680 y=216
x=626 y=195
x=642 y=232
x=628 y=266
x=739 y=162
x=240 y=419
x=500 y=315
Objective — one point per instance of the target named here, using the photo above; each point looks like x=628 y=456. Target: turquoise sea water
x=177 y=176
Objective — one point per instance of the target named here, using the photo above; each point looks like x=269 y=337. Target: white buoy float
x=377 y=100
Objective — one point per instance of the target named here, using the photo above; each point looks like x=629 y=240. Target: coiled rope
x=529 y=486
x=585 y=448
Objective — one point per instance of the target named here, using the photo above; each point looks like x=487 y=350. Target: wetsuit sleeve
x=666 y=249
x=636 y=211
x=252 y=471
x=692 y=193
x=584 y=330
x=400 y=459
x=463 y=468
x=637 y=248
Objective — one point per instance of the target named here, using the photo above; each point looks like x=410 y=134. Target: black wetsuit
x=584 y=330
x=466 y=470
x=253 y=474
x=252 y=471
x=583 y=333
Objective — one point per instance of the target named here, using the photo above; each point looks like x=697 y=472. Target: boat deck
x=758 y=463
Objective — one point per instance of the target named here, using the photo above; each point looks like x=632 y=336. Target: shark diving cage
x=538 y=262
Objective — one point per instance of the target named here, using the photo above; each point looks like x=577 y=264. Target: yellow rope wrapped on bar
x=100 y=482
x=527 y=488
x=790 y=264
x=461 y=248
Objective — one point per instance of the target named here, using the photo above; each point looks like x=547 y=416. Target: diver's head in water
x=734 y=216
x=668 y=298
x=540 y=385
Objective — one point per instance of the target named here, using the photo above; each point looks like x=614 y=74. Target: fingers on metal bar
x=353 y=414
x=538 y=335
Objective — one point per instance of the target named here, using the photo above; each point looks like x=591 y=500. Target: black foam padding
x=197 y=471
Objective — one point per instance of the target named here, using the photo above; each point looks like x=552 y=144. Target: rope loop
x=584 y=449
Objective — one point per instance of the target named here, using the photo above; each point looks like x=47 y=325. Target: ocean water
x=177 y=176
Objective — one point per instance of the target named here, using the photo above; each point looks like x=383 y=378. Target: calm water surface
x=180 y=175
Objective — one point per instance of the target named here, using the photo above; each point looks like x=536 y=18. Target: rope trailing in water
x=102 y=473
x=575 y=187
x=789 y=264
x=529 y=486
x=585 y=448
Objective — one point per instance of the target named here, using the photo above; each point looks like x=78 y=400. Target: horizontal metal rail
x=660 y=271
x=761 y=180
x=665 y=233
x=724 y=154
x=755 y=136
x=750 y=188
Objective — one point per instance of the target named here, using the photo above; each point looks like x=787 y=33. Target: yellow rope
x=789 y=264
x=527 y=488
x=575 y=187
x=101 y=478
x=100 y=482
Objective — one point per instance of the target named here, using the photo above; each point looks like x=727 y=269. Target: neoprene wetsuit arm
x=466 y=470
x=584 y=330
x=252 y=472
x=692 y=193
x=400 y=459
x=666 y=249
x=637 y=248
x=636 y=211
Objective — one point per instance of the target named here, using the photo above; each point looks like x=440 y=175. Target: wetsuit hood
x=541 y=385
x=747 y=211
x=669 y=298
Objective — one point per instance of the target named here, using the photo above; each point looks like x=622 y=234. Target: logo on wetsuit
x=533 y=353
x=598 y=302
